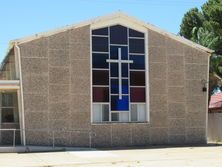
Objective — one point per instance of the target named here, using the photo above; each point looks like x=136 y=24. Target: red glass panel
x=137 y=95
x=100 y=94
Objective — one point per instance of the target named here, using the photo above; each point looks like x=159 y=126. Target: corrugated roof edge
x=111 y=16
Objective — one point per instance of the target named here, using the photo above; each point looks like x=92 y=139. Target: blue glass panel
x=134 y=33
x=99 y=60
x=124 y=70
x=118 y=35
x=114 y=86
x=100 y=44
x=114 y=52
x=101 y=31
x=125 y=86
x=136 y=46
x=138 y=62
x=120 y=104
x=114 y=69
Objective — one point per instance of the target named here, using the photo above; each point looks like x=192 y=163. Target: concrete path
x=210 y=156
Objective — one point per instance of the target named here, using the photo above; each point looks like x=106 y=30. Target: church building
x=112 y=81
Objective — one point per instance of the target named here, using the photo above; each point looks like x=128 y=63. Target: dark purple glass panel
x=100 y=94
x=136 y=46
x=118 y=35
x=137 y=94
x=100 y=44
x=134 y=33
x=137 y=78
x=100 y=77
x=101 y=31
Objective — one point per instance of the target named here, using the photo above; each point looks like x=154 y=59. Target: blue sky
x=19 y=18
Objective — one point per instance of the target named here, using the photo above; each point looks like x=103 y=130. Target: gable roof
x=110 y=17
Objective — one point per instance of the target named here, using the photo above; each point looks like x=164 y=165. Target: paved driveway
x=210 y=156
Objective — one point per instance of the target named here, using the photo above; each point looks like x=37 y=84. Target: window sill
x=6 y=123
x=113 y=123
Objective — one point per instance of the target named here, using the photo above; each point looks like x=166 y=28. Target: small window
x=7 y=99
x=134 y=112
x=100 y=113
x=97 y=113
x=9 y=110
x=138 y=112
x=124 y=116
x=141 y=109
x=7 y=115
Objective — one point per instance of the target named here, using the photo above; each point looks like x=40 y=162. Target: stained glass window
x=118 y=74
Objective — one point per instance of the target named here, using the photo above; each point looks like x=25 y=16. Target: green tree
x=193 y=18
x=212 y=12
x=205 y=28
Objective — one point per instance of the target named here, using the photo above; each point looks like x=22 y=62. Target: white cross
x=119 y=61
